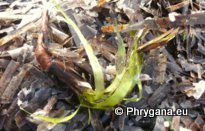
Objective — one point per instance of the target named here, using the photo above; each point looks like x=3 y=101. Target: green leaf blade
x=53 y=120
x=96 y=67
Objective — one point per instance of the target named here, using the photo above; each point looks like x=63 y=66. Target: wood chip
x=178 y=6
x=23 y=29
x=8 y=73
x=159 y=95
x=175 y=123
x=15 y=82
x=4 y=63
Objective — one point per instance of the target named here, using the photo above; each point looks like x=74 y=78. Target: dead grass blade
x=178 y=6
x=159 y=41
x=21 y=30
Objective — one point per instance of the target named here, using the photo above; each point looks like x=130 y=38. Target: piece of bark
x=194 y=127
x=38 y=98
x=109 y=56
x=2 y=120
x=171 y=59
x=23 y=51
x=148 y=89
x=186 y=120
x=152 y=11
x=20 y=119
x=7 y=16
x=50 y=104
x=43 y=79
x=199 y=122
x=12 y=107
x=33 y=24
x=178 y=5
x=190 y=66
x=69 y=76
x=22 y=3
x=4 y=63
x=122 y=121
x=58 y=35
x=9 y=125
x=201 y=48
x=159 y=95
x=96 y=123
x=64 y=54
x=161 y=71
x=103 y=45
x=172 y=65
x=175 y=123
x=155 y=66
x=85 y=66
x=80 y=20
x=8 y=73
x=150 y=64
x=15 y=82
x=160 y=23
x=46 y=110
x=75 y=36
x=45 y=126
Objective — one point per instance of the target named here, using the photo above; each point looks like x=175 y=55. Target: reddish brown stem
x=42 y=55
x=66 y=74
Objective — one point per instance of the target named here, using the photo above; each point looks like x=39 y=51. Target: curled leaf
x=123 y=83
x=96 y=67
